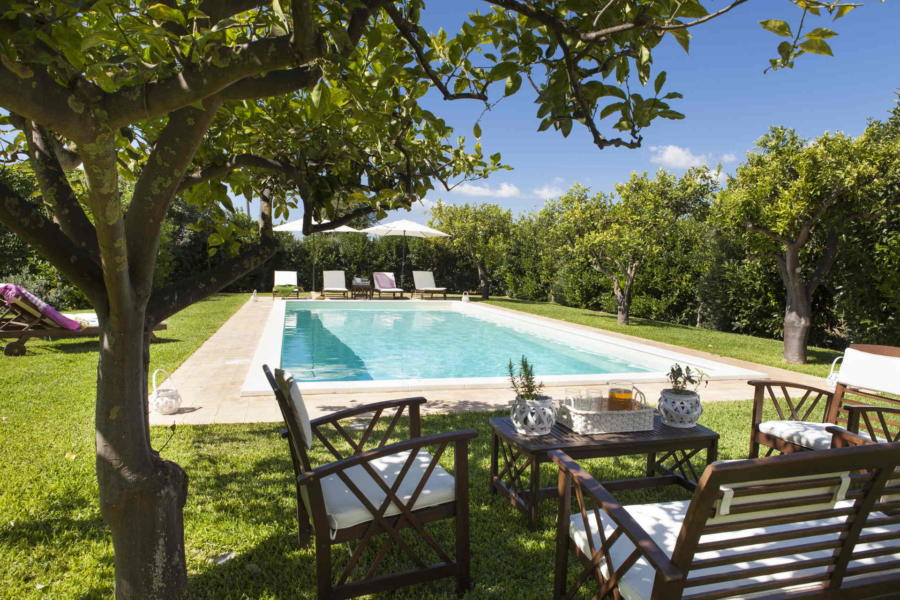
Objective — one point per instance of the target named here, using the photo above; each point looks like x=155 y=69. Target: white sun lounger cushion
x=425 y=282
x=334 y=281
x=344 y=508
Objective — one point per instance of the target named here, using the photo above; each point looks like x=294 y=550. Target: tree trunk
x=623 y=306
x=798 y=305
x=484 y=281
x=141 y=495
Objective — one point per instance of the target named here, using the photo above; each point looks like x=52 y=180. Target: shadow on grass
x=37 y=532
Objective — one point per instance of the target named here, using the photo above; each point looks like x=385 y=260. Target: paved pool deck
x=210 y=379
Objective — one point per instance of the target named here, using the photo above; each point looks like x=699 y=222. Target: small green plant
x=524 y=383
x=683 y=378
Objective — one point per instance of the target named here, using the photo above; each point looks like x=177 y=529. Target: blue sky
x=729 y=102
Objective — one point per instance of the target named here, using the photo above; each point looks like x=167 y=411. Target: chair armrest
x=459 y=438
x=768 y=385
x=365 y=408
x=863 y=410
x=642 y=541
x=841 y=438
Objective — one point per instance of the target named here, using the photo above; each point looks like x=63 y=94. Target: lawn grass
x=53 y=543
x=764 y=351
x=50 y=529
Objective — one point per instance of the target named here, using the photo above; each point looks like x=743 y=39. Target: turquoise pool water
x=368 y=342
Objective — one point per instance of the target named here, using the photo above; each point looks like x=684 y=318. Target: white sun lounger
x=386 y=284
x=425 y=284
x=334 y=282
x=283 y=278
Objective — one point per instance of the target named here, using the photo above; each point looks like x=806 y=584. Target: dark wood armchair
x=869 y=377
x=377 y=496
x=803 y=525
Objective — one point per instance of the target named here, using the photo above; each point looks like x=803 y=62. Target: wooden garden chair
x=376 y=492
x=802 y=525
x=860 y=399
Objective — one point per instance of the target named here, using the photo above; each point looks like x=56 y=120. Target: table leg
x=495 y=470
x=712 y=452
x=651 y=464
x=532 y=502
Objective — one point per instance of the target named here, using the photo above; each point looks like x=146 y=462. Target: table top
x=563 y=438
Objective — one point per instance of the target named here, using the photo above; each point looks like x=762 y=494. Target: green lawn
x=241 y=496
x=743 y=347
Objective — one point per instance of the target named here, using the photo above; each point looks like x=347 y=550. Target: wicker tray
x=605 y=421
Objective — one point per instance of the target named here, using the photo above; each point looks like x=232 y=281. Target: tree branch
x=46 y=237
x=825 y=262
x=37 y=97
x=767 y=232
x=151 y=100
x=211 y=172
x=408 y=33
x=169 y=300
x=55 y=188
x=158 y=183
x=275 y=83
x=218 y=10
x=359 y=211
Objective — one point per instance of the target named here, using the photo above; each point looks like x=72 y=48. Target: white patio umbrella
x=297 y=226
x=406 y=228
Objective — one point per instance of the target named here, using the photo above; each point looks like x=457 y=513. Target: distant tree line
x=686 y=250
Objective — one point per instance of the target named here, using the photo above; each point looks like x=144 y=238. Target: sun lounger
x=283 y=279
x=334 y=282
x=23 y=316
x=386 y=284
x=425 y=284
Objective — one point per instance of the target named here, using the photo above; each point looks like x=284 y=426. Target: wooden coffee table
x=361 y=290
x=516 y=458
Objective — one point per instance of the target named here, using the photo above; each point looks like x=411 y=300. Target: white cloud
x=728 y=158
x=546 y=192
x=676 y=157
x=504 y=190
x=558 y=180
x=426 y=203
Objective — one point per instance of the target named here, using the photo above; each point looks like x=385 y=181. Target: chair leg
x=754 y=446
x=323 y=569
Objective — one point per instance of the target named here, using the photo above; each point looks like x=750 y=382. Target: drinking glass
x=620 y=395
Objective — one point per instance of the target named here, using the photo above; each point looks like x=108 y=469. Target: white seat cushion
x=344 y=509
x=804 y=433
x=663 y=521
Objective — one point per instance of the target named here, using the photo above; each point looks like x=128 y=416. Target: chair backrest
x=285 y=278
x=818 y=515
x=384 y=280
x=424 y=280
x=334 y=279
x=295 y=416
x=868 y=372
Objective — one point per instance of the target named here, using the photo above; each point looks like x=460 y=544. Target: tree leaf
x=777 y=26
x=659 y=82
x=816 y=47
x=513 y=83
x=820 y=33
x=476 y=131
x=161 y=12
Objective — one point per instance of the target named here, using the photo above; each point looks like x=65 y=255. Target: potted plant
x=532 y=412
x=679 y=406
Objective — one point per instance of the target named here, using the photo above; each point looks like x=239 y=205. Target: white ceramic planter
x=533 y=417
x=679 y=409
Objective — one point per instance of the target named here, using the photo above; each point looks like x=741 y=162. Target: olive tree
x=159 y=93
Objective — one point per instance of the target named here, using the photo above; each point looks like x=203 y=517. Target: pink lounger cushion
x=16 y=294
x=385 y=281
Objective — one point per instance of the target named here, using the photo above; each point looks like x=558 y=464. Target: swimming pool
x=407 y=341
x=336 y=346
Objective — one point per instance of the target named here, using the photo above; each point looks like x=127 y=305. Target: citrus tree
x=170 y=96
x=479 y=232
x=794 y=197
x=617 y=234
